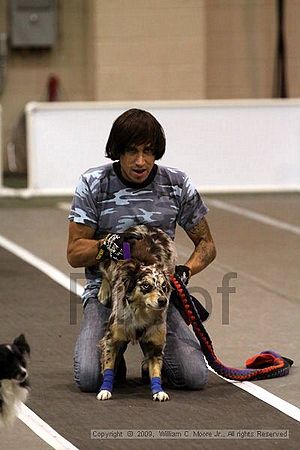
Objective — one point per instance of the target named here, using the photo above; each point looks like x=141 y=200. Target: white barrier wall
x=223 y=146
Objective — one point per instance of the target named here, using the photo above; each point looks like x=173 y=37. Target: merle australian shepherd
x=14 y=384
x=138 y=290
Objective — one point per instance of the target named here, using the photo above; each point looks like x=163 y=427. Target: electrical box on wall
x=33 y=23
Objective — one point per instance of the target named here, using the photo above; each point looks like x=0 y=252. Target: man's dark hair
x=135 y=127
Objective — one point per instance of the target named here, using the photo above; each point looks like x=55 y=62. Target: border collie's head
x=12 y=360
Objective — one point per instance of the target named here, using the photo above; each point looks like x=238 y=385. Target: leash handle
x=126 y=250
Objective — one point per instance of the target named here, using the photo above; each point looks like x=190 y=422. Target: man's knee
x=196 y=379
x=88 y=381
x=86 y=375
x=187 y=376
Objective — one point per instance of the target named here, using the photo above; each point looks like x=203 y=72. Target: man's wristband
x=101 y=250
x=184 y=273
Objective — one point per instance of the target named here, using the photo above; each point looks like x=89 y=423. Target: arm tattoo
x=200 y=232
x=202 y=239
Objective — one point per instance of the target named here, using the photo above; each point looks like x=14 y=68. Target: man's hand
x=183 y=273
x=111 y=247
x=116 y=246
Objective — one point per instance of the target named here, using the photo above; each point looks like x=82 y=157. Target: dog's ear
x=129 y=285
x=130 y=276
x=131 y=236
x=22 y=344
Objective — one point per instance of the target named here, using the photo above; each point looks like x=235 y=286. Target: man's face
x=137 y=163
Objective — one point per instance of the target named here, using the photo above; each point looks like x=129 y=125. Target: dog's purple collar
x=126 y=250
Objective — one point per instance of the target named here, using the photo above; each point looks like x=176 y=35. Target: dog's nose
x=162 y=302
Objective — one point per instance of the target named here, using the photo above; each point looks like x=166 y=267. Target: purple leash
x=126 y=251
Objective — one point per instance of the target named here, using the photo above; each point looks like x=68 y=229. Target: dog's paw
x=161 y=396
x=104 y=395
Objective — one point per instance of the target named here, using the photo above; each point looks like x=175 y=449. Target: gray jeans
x=184 y=366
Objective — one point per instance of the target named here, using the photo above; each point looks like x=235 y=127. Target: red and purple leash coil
x=267 y=364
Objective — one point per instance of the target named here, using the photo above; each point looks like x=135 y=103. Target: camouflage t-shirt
x=103 y=200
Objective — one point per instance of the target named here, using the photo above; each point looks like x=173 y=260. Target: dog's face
x=149 y=289
x=12 y=360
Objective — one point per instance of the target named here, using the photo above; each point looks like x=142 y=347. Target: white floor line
x=44 y=267
x=254 y=216
x=266 y=396
x=43 y=430
x=258 y=392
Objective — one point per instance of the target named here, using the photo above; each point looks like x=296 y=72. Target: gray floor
x=263 y=314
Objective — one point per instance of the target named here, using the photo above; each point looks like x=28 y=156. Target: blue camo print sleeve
x=192 y=208
x=84 y=205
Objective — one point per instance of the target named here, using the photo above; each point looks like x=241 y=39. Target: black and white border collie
x=14 y=386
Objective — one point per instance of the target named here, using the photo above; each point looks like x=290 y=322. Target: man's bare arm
x=82 y=247
x=205 y=251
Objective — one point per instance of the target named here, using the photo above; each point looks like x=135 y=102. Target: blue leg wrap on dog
x=108 y=380
x=156 y=385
